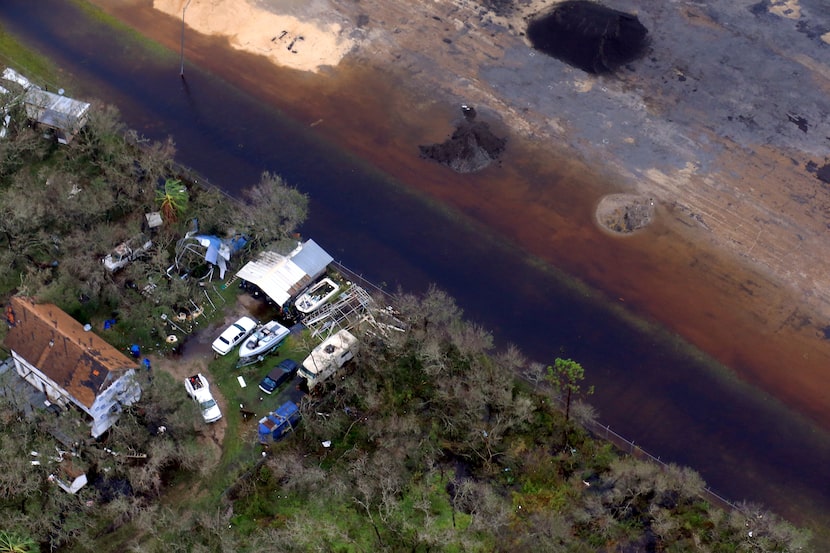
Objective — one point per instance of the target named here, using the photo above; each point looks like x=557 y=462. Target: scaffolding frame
x=349 y=310
x=355 y=306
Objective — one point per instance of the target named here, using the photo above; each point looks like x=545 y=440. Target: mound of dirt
x=588 y=35
x=625 y=213
x=472 y=146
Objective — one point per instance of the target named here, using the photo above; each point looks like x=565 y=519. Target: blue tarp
x=237 y=243
x=218 y=251
x=212 y=243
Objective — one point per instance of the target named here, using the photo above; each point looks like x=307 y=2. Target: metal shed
x=65 y=116
x=282 y=277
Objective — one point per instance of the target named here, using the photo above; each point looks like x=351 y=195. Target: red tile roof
x=81 y=362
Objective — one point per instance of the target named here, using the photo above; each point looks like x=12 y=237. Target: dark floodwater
x=649 y=386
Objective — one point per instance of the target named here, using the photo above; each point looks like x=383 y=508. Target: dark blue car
x=280 y=374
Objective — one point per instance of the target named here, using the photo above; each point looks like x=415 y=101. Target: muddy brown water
x=502 y=242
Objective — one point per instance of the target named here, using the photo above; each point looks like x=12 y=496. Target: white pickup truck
x=198 y=388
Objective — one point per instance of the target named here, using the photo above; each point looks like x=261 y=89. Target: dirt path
x=211 y=435
x=196 y=359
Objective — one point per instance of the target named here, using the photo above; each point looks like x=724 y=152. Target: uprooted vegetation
x=471 y=147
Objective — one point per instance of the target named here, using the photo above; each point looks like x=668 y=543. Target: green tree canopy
x=566 y=376
x=172 y=199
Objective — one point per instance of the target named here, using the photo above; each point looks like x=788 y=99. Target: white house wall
x=33 y=376
x=125 y=391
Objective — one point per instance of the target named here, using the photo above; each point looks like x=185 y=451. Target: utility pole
x=181 y=72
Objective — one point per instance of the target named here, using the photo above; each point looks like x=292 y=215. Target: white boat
x=263 y=340
x=316 y=296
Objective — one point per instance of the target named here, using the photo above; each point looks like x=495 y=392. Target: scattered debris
x=625 y=213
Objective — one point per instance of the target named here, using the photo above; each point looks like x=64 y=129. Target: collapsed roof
x=282 y=277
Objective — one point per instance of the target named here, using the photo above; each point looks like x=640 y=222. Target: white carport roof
x=282 y=277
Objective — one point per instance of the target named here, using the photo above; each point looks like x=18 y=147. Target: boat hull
x=263 y=340
x=316 y=296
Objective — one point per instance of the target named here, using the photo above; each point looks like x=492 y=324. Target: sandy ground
x=625 y=213
x=295 y=33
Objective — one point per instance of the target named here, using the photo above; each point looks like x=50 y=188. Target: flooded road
x=401 y=221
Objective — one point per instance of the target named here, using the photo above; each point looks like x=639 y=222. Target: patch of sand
x=786 y=8
x=306 y=45
x=625 y=213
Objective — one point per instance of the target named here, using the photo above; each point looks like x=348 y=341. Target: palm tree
x=173 y=199
x=14 y=543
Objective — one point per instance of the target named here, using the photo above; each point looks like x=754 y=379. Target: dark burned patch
x=806 y=28
x=589 y=36
x=472 y=146
x=110 y=488
x=761 y=8
x=799 y=121
x=823 y=173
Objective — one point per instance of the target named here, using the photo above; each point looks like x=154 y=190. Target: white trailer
x=328 y=357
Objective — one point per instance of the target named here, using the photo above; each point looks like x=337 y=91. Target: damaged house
x=64 y=117
x=282 y=277
x=55 y=354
